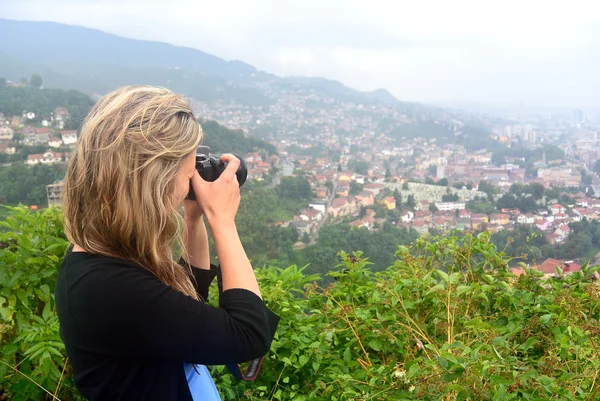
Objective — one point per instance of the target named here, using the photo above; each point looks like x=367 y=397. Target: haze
x=537 y=53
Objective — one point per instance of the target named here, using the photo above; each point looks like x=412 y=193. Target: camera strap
x=251 y=371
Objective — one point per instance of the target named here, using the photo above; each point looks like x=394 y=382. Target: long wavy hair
x=118 y=194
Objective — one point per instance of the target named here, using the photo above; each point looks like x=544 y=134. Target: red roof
x=549 y=266
x=338 y=202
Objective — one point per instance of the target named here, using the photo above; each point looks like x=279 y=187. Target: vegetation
x=525 y=204
x=23 y=184
x=224 y=140
x=379 y=246
x=43 y=102
x=446 y=320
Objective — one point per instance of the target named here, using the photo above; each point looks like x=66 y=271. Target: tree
x=2 y=82
x=360 y=166
x=36 y=81
x=442 y=182
x=339 y=168
x=597 y=167
x=355 y=188
x=489 y=189
x=433 y=208
x=24 y=81
x=432 y=169
x=469 y=186
x=410 y=202
x=398 y=199
x=429 y=181
x=405 y=186
x=450 y=198
x=517 y=188
x=294 y=188
x=458 y=185
x=388 y=174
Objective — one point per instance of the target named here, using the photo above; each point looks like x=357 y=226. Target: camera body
x=211 y=166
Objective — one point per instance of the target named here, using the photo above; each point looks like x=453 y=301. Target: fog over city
x=461 y=53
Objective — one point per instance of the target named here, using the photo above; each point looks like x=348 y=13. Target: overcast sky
x=544 y=53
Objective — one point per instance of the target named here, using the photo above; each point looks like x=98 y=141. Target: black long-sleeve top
x=127 y=334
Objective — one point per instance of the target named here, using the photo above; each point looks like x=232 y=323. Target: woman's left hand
x=192 y=213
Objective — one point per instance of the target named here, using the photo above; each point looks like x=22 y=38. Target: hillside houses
x=49 y=157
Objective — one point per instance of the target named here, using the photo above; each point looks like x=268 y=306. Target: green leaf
x=46 y=313
x=463 y=289
x=435 y=288
x=375 y=344
x=443 y=275
x=23 y=297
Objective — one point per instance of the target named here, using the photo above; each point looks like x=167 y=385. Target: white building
x=447 y=206
x=69 y=137
x=49 y=157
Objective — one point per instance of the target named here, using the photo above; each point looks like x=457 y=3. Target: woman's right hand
x=219 y=200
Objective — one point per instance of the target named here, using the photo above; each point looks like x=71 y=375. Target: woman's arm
x=219 y=200
x=195 y=237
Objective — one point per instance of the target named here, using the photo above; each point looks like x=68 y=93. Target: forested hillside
x=224 y=140
x=446 y=320
x=43 y=102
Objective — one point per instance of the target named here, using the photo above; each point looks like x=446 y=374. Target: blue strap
x=201 y=383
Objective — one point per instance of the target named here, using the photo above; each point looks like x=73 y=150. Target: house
x=320 y=206
x=557 y=208
x=365 y=198
x=549 y=266
x=423 y=214
x=422 y=205
x=526 y=218
x=49 y=157
x=321 y=192
x=477 y=223
x=7 y=149
x=55 y=142
x=499 y=218
x=463 y=223
x=359 y=223
x=69 y=137
x=420 y=226
x=342 y=207
x=342 y=190
x=447 y=206
x=563 y=232
x=374 y=188
x=302 y=227
x=407 y=216
x=346 y=176
x=544 y=226
x=310 y=215
x=6 y=132
x=389 y=202
x=464 y=213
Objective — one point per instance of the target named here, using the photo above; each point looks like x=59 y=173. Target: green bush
x=447 y=321
x=33 y=364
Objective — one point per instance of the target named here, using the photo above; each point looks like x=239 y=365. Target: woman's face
x=182 y=186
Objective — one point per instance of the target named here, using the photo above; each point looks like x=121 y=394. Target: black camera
x=210 y=168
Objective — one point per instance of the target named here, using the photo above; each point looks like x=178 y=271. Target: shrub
x=447 y=321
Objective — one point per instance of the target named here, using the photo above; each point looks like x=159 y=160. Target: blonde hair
x=118 y=195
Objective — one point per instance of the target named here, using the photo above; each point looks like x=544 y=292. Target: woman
x=133 y=319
